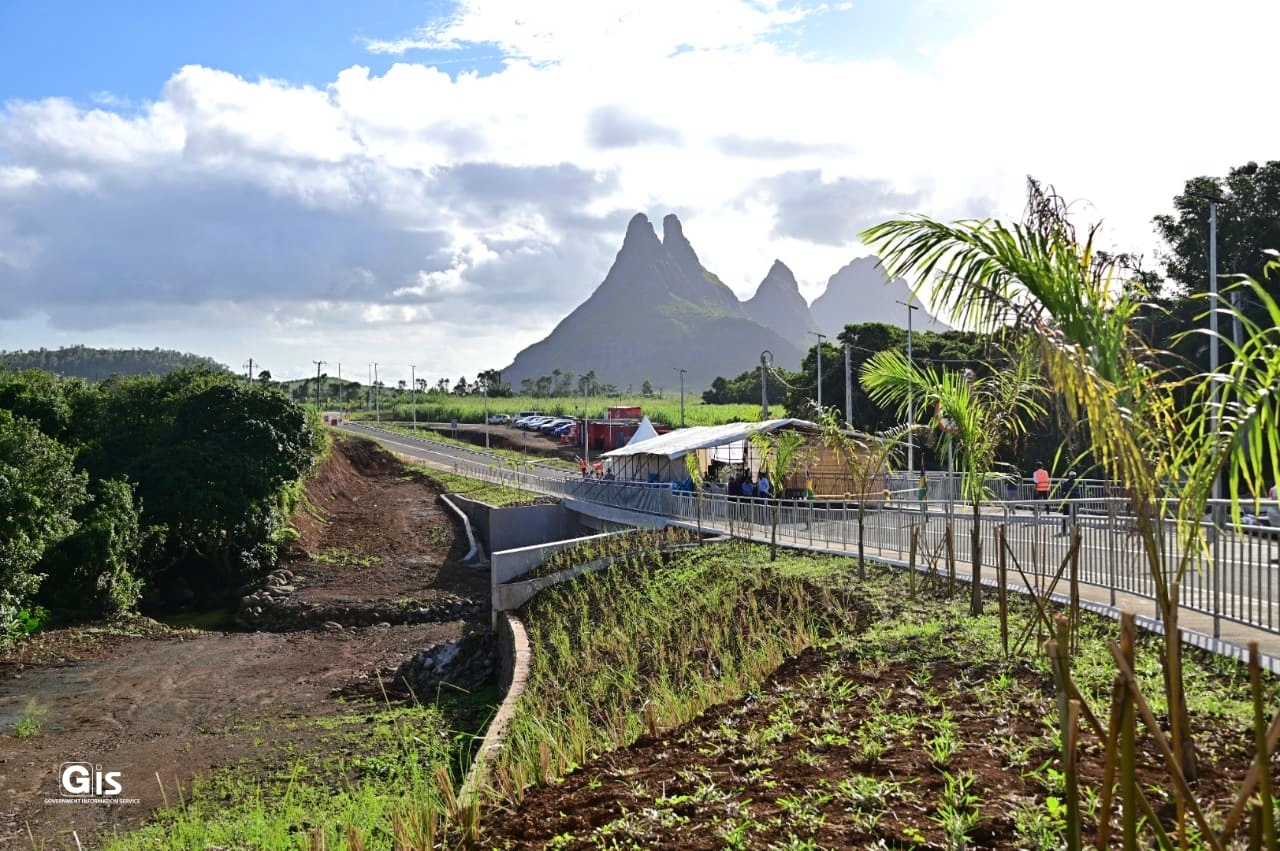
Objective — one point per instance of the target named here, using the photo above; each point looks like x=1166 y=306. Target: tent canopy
x=678 y=443
x=645 y=431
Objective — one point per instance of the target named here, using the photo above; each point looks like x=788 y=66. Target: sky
x=432 y=186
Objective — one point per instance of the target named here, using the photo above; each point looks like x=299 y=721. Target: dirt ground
x=160 y=705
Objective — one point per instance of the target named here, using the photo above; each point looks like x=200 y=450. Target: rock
x=469 y=664
x=332 y=626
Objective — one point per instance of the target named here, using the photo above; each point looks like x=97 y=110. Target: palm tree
x=976 y=417
x=1042 y=278
x=780 y=454
x=867 y=456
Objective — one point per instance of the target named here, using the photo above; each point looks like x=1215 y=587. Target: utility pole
x=318 y=363
x=484 y=386
x=682 y=372
x=377 y=396
x=766 y=358
x=249 y=367
x=848 y=389
x=820 y=337
x=413 y=395
x=911 y=412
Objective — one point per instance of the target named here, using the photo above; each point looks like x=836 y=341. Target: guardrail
x=1233 y=577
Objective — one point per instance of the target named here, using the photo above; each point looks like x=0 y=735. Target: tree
x=780 y=454
x=265 y=375
x=1248 y=224
x=646 y=388
x=981 y=413
x=461 y=388
x=40 y=490
x=95 y=569
x=1043 y=277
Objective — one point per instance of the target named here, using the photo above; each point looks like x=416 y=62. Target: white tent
x=661 y=458
x=643 y=432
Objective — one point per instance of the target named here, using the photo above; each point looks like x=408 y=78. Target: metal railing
x=1233 y=577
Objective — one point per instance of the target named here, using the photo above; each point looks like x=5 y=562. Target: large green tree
x=1248 y=225
x=40 y=490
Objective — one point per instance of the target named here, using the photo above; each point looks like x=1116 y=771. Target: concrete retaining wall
x=512 y=564
x=519 y=526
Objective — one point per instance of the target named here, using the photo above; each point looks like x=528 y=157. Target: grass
x=659 y=409
x=490 y=493
x=345 y=557
x=674 y=635
x=30 y=721
x=375 y=776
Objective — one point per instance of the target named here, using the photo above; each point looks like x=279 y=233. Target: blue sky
x=129 y=48
x=440 y=182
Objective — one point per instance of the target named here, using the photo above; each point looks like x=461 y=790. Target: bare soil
x=161 y=705
x=785 y=768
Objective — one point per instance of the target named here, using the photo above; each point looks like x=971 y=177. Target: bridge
x=1227 y=598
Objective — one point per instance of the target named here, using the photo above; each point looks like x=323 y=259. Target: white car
x=499 y=419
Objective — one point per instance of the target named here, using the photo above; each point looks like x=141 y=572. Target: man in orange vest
x=1041 y=479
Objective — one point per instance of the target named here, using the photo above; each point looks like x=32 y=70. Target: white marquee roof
x=675 y=444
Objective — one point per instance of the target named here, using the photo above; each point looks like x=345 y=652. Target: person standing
x=763 y=486
x=1069 y=491
x=922 y=493
x=1041 y=479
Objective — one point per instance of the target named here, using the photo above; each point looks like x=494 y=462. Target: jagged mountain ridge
x=862 y=289
x=659 y=310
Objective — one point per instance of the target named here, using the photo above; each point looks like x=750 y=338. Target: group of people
x=744 y=485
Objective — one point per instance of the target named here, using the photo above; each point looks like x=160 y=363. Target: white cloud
x=450 y=220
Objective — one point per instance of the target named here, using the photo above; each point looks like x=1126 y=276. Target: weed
x=30 y=721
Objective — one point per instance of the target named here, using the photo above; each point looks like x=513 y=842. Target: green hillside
x=97 y=364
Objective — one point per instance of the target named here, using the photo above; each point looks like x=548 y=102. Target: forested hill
x=97 y=364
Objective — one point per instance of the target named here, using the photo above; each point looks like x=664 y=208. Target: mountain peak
x=672 y=230
x=639 y=230
x=780 y=276
x=778 y=304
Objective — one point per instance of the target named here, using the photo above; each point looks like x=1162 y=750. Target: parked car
x=550 y=427
x=500 y=419
x=531 y=423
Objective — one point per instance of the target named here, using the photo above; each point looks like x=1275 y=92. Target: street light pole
x=820 y=337
x=484 y=385
x=682 y=372
x=413 y=395
x=1214 y=201
x=377 y=396
x=911 y=413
